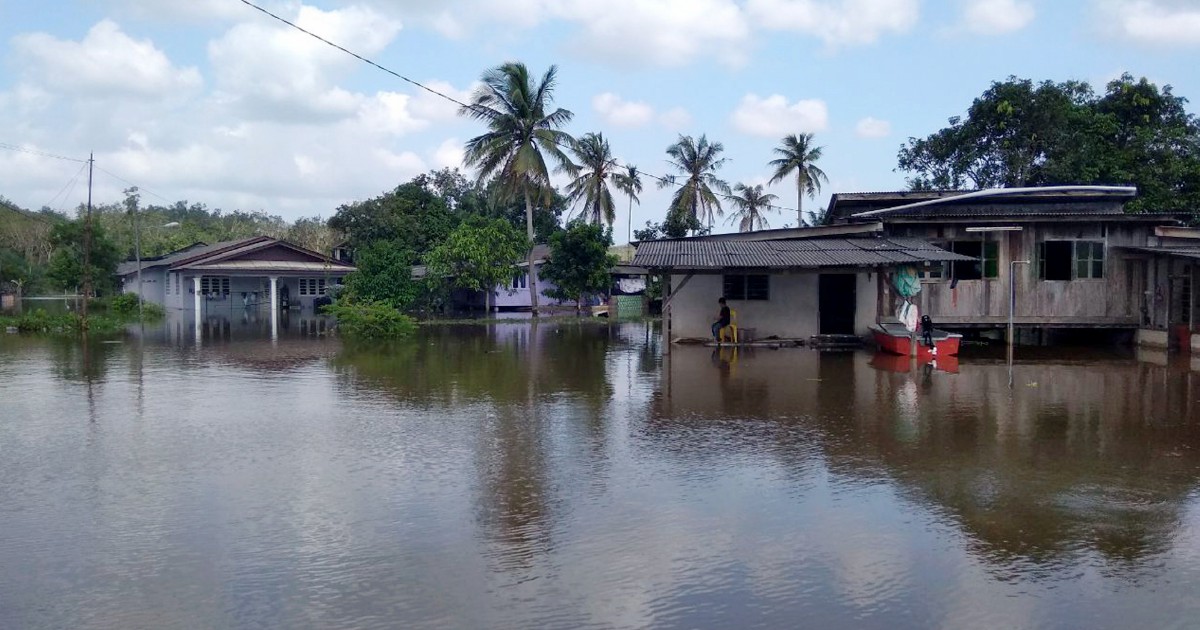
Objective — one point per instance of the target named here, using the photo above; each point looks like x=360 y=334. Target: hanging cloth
x=907 y=281
x=909 y=315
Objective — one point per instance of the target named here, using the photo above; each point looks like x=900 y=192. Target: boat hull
x=944 y=344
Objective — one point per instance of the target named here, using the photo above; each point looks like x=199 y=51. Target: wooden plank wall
x=1114 y=300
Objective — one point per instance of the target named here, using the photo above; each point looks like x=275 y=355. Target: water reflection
x=522 y=475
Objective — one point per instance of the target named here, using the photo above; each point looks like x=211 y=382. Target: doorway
x=837 y=300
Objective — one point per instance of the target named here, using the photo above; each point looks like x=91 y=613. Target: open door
x=837 y=301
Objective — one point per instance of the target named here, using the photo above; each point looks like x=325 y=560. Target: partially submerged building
x=1069 y=255
x=249 y=272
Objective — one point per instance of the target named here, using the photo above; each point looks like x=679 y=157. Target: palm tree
x=751 y=202
x=522 y=132
x=596 y=168
x=797 y=154
x=630 y=183
x=698 y=161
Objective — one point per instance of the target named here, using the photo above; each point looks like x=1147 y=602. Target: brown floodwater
x=567 y=476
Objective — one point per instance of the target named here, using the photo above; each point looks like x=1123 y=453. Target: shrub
x=370 y=320
x=124 y=307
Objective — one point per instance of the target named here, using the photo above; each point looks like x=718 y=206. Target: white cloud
x=661 y=33
x=106 y=62
x=274 y=72
x=839 y=23
x=189 y=9
x=675 y=119
x=449 y=154
x=990 y=17
x=873 y=128
x=773 y=116
x=618 y=112
x=1152 y=22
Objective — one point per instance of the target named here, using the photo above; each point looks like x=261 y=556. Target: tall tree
x=522 y=132
x=579 y=262
x=596 y=169
x=630 y=183
x=479 y=255
x=798 y=155
x=698 y=162
x=1018 y=133
x=751 y=203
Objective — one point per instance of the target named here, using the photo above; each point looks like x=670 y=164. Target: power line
x=668 y=180
x=69 y=185
x=140 y=189
x=13 y=147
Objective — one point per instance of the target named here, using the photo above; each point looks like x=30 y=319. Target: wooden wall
x=1115 y=300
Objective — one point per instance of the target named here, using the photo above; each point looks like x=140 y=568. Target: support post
x=1012 y=298
x=196 y=304
x=666 y=314
x=274 y=307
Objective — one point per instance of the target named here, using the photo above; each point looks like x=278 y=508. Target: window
x=747 y=287
x=520 y=281
x=1089 y=259
x=312 y=286
x=987 y=264
x=214 y=286
x=1070 y=260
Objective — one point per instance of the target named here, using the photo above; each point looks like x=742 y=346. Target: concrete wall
x=153 y=284
x=792 y=311
x=257 y=290
x=509 y=298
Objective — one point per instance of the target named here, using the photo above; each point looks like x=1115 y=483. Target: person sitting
x=723 y=319
x=927 y=330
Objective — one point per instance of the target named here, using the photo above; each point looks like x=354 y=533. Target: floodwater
x=566 y=476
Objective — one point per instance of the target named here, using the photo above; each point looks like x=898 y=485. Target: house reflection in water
x=1088 y=455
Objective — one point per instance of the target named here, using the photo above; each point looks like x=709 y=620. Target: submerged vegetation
x=370 y=320
x=108 y=316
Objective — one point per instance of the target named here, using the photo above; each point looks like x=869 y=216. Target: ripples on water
x=569 y=477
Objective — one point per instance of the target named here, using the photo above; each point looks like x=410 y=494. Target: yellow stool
x=729 y=331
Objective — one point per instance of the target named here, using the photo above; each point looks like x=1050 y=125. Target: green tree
x=698 y=162
x=411 y=216
x=596 y=168
x=478 y=255
x=66 y=264
x=751 y=202
x=630 y=183
x=522 y=133
x=546 y=218
x=798 y=155
x=1018 y=133
x=383 y=275
x=579 y=262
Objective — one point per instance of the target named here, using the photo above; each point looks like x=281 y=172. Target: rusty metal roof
x=697 y=255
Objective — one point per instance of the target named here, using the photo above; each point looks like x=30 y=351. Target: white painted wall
x=791 y=312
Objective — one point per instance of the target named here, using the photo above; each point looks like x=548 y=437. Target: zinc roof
x=697 y=255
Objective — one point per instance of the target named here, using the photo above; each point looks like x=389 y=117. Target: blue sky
x=213 y=102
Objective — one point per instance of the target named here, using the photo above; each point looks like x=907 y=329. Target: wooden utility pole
x=87 y=247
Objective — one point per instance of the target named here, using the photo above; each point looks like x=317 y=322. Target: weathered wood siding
x=1114 y=300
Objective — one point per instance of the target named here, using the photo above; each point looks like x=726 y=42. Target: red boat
x=888 y=362
x=896 y=339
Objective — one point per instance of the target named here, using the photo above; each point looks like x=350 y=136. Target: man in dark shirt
x=723 y=319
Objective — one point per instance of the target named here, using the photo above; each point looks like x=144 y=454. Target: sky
x=211 y=101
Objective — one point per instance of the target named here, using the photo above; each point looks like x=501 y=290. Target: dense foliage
x=370 y=320
x=478 y=255
x=579 y=262
x=1018 y=133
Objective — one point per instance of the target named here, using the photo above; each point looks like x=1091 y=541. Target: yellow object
x=729 y=331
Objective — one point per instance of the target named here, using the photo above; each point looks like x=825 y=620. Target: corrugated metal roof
x=788 y=254
x=273 y=265
x=1178 y=252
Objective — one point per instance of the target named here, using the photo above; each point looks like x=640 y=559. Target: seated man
x=723 y=319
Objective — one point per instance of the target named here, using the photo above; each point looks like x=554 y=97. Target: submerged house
x=783 y=283
x=1070 y=255
x=247 y=272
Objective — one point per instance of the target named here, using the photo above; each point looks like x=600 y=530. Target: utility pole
x=87 y=246
x=132 y=201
